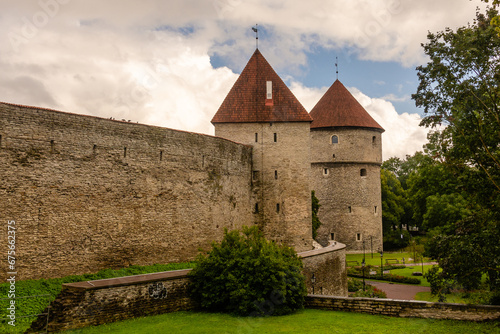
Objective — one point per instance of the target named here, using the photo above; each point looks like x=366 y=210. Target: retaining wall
x=405 y=308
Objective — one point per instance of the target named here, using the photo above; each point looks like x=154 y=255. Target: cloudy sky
x=171 y=63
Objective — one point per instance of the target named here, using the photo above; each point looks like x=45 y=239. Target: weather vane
x=256 y=31
x=337 y=66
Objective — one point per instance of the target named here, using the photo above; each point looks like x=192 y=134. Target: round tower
x=260 y=111
x=346 y=154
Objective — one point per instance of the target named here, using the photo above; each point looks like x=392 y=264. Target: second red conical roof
x=247 y=100
x=338 y=108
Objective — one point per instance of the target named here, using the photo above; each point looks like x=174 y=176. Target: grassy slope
x=305 y=321
x=53 y=286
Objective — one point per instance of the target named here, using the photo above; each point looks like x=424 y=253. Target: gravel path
x=399 y=291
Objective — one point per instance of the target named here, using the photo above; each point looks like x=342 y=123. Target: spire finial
x=337 y=66
x=256 y=31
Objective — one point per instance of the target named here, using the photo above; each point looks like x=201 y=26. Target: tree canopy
x=457 y=196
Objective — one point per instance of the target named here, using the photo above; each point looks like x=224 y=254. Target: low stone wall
x=94 y=303
x=328 y=267
x=405 y=308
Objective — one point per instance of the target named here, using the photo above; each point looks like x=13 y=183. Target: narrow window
x=52 y=145
x=255 y=175
x=362 y=172
x=374 y=140
x=335 y=139
x=269 y=90
x=349 y=209
x=325 y=171
x=358 y=236
x=332 y=236
x=256 y=210
x=124 y=152
x=161 y=155
x=333 y=156
x=94 y=149
x=277 y=207
x=275 y=174
x=256 y=137
x=375 y=210
x=0 y=140
x=275 y=137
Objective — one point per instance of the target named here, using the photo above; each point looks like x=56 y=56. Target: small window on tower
x=275 y=137
x=256 y=209
x=349 y=209
x=277 y=208
x=375 y=210
x=325 y=171
x=256 y=137
x=332 y=236
x=275 y=174
x=358 y=237
x=374 y=140
x=335 y=139
x=362 y=172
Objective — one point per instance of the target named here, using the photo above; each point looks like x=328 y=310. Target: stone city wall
x=89 y=193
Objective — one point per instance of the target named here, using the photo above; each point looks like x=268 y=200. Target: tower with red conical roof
x=261 y=111
x=346 y=154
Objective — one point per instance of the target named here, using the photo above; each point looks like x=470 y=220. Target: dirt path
x=399 y=291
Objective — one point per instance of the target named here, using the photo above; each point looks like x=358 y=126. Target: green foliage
x=246 y=274
x=358 y=272
x=315 y=220
x=53 y=286
x=354 y=284
x=394 y=200
x=393 y=240
x=440 y=286
x=369 y=292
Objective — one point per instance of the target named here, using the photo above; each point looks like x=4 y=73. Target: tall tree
x=459 y=88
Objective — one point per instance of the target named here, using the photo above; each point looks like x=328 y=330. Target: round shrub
x=245 y=274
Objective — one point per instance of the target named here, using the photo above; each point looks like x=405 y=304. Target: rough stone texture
x=280 y=174
x=329 y=268
x=89 y=193
x=351 y=204
x=405 y=308
x=99 y=302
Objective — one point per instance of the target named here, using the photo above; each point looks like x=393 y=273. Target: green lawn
x=375 y=261
x=450 y=298
x=305 y=321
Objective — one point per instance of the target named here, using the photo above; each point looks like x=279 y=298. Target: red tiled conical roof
x=246 y=101
x=338 y=108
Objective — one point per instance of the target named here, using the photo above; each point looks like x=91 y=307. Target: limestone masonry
x=89 y=193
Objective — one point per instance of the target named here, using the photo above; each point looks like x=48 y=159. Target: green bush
x=246 y=274
x=369 y=292
x=354 y=285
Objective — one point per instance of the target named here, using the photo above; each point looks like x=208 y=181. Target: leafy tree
x=315 y=220
x=459 y=89
x=393 y=201
x=245 y=274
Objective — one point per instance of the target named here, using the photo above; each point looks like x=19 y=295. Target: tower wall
x=346 y=180
x=280 y=177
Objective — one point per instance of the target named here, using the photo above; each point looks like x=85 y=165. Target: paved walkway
x=399 y=291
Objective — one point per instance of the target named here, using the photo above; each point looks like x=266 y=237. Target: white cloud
x=402 y=135
x=149 y=61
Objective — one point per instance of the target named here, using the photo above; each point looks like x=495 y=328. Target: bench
x=391 y=261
